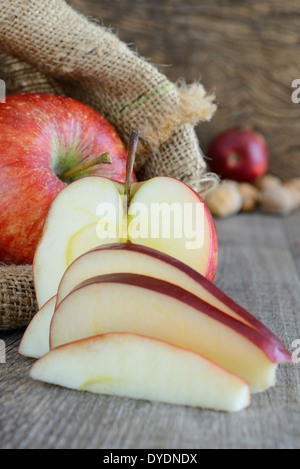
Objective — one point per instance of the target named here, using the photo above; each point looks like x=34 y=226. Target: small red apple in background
x=41 y=138
x=239 y=154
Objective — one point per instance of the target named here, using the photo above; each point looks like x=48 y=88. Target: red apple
x=43 y=137
x=240 y=155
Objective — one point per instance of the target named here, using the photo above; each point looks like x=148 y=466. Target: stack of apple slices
x=141 y=317
x=133 y=321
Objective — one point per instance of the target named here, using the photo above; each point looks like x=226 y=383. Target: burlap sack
x=17 y=296
x=49 y=47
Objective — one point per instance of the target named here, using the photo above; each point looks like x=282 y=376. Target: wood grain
x=258 y=267
x=247 y=52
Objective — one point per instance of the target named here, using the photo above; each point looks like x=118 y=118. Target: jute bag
x=48 y=47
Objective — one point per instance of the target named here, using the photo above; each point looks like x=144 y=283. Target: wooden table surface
x=259 y=266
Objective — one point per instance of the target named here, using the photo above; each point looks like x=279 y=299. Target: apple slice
x=35 y=340
x=138 y=259
x=148 y=306
x=70 y=230
x=142 y=368
x=160 y=200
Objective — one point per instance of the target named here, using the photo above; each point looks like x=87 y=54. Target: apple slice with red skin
x=148 y=306
x=142 y=368
x=169 y=192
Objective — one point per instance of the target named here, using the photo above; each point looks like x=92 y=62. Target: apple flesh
x=74 y=221
x=35 y=340
x=158 y=309
x=142 y=368
x=70 y=230
x=169 y=192
x=42 y=137
x=239 y=154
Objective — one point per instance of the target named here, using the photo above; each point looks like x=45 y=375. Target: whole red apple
x=239 y=154
x=41 y=138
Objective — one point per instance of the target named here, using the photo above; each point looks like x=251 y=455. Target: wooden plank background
x=259 y=266
x=246 y=51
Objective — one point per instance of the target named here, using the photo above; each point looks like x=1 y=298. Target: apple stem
x=132 y=146
x=104 y=158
